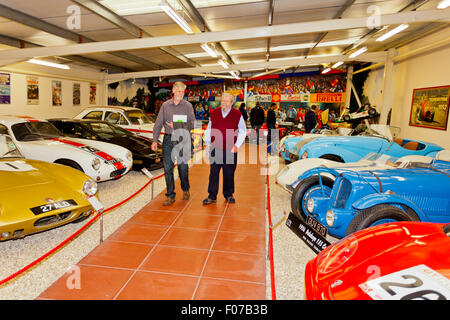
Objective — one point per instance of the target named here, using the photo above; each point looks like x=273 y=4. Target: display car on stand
x=40 y=140
x=143 y=155
x=364 y=112
x=36 y=196
x=394 y=261
x=361 y=199
x=376 y=138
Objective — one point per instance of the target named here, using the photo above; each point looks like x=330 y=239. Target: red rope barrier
x=272 y=265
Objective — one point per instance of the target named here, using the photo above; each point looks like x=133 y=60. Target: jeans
x=183 y=168
x=256 y=127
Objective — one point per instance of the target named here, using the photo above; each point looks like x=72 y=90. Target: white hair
x=229 y=95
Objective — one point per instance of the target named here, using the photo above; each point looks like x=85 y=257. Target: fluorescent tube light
x=396 y=30
x=208 y=50
x=443 y=4
x=358 y=52
x=49 y=64
x=326 y=70
x=176 y=17
x=223 y=64
x=337 y=64
x=234 y=74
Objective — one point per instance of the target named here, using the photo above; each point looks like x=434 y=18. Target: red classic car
x=394 y=261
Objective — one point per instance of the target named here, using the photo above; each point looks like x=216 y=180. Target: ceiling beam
x=42 y=25
x=14 y=56
x=17 y=43
x=112 y=17
x=269 y=23
x=375 y=57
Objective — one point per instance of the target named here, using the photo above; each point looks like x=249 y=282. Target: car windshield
x=36 y=130
x=382 y=130
x=106 y=130
x=138 y=117
x=384 y=158
x=7 y=148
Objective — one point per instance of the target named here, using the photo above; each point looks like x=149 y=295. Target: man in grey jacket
x=178 y=111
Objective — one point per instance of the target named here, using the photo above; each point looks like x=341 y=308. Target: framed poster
x=56 y=93
x=32 y=90
x=5 y=88
x=429 y=107
x=92 y=93
x=76 y=94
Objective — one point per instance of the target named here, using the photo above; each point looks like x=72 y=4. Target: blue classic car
x=377 y=138
x=361 y=199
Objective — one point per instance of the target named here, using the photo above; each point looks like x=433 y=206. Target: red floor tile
x=200 y=221
x=157 y=217
x=157 y=286
x=131 y=232
x=189 y=238
x=95 y=283
x=176 y=260
x=240 y=242
x=234 y=224
x=214 y=289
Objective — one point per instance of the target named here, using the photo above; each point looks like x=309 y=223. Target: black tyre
x=306 y=188
x=69 y=163
x=347 y=118
x=332 y=157
x=379 y=214
x=372 y=111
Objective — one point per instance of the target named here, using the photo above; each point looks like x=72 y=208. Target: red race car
x=393 y=261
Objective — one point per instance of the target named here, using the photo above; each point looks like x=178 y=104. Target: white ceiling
x=219 y=15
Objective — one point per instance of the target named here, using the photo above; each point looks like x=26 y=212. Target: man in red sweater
x=224 y=135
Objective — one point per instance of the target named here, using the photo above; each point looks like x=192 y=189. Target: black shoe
x=208 y=201
x=230 y=199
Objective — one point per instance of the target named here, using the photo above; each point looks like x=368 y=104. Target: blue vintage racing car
x=360 y=199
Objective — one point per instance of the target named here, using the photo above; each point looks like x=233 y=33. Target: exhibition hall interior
x=224 y=150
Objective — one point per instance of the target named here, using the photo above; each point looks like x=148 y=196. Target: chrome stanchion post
x=101 y=225
x=150 y=176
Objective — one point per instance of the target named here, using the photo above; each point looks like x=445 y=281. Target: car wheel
x=70 y=163
x=347 y=118
x=332 y=157
x=372 y=111
x=377 y=215
x=307 y=188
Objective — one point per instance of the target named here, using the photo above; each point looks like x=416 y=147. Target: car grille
x=343 y=193
x=117 y=173
x=53 y=219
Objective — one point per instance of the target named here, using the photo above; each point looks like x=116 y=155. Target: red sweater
x=224 y=131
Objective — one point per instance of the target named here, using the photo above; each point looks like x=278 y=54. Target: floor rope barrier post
x=150 y=176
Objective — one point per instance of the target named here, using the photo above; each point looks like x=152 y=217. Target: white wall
x=428 y=69
x=45 y=109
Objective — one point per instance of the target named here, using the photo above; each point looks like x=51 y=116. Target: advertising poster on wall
x=92 y=93
x=56 y=93
x=32 y=90
x=5 y=88
x=429 y=107
x=76 y=94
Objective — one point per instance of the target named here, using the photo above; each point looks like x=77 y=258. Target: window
x=115 y=118
x=96 y=115
x=3 y=129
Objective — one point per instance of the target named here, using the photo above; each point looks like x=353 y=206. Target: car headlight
x=330 y=218
x=310 y=205
x=90 y=187
x=283 y=147
x=305 y=155
x=129 y=156
x=96 y=164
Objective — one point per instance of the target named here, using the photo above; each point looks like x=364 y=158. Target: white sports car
x=288 y=177
x=132 y=119
x=40 y=140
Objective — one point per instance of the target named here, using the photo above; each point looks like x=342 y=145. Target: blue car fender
x=388 y=198
x=318 y=150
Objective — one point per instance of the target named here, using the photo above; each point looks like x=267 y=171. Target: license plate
x=307 y=234
x=316 y=225
x=53 y=206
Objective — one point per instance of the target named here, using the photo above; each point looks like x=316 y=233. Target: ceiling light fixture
x=443 y=4
x=209 y=50
x=326 y=70
x=394 y=31
x=358 y=52
x=49 y=64
x=235 y=75
x=224 y=64
x=175 y=16
x=337 y=64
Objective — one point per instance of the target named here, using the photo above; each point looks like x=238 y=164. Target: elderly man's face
x=226 y=102
x=178 y=93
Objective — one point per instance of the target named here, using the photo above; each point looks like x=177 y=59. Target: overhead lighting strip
x=175 y=16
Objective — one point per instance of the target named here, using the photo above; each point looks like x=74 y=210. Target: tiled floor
x=185 y=251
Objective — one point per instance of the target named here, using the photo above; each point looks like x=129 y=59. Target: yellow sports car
x=37 y=196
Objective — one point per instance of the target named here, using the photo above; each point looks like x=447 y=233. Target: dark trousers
x=255 y=127
x=183 y=169
x=227 y=161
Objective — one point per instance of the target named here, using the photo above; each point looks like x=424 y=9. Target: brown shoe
x=168 y=201
x=186 y=195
